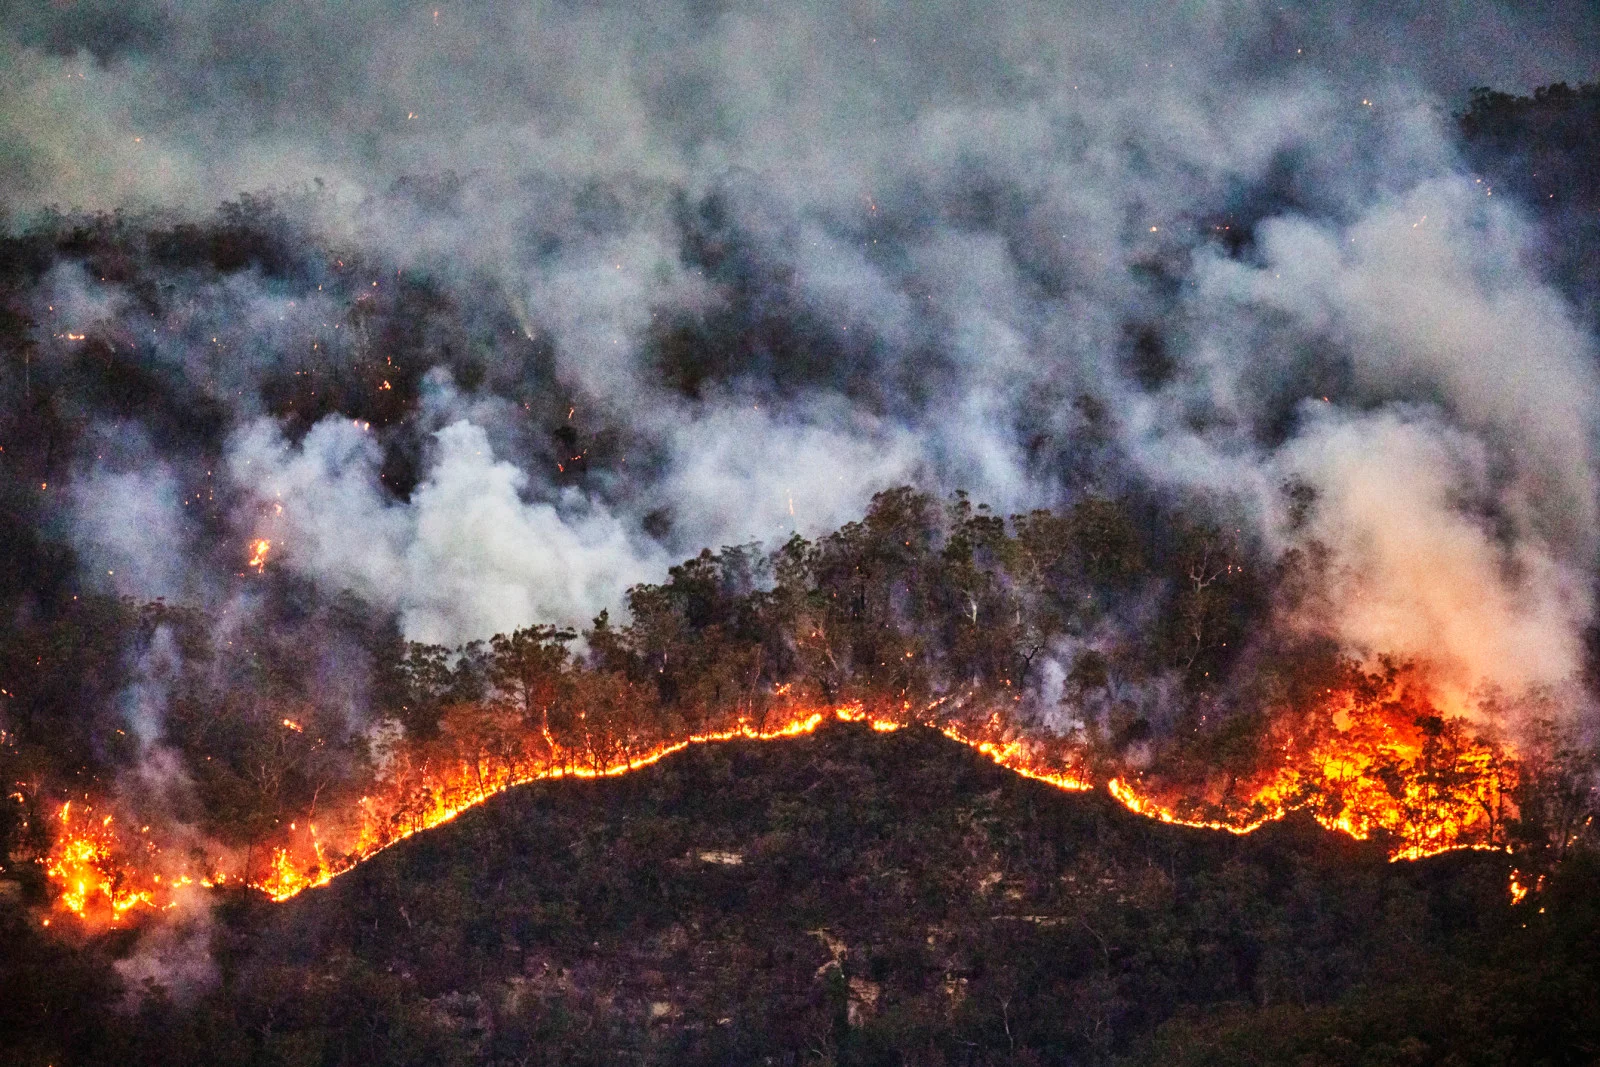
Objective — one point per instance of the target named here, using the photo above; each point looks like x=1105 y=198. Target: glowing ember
x=258 y=554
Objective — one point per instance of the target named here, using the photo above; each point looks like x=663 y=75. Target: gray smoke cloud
x=128 y=524
x=971 y=211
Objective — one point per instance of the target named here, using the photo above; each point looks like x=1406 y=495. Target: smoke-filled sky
x=1026 y=250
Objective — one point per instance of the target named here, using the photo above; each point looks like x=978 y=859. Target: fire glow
x=87 y=866
x=103 y=877
x=1421 y=784
x=258 y=554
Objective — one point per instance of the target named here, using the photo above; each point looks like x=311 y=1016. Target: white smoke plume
x=1419 y=571
x=466 y=557
x=173 y=955
x=127 y=525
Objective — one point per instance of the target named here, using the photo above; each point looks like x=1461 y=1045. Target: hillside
x=854 y=897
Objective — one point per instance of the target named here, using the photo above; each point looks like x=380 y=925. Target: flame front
x=1373 y=769
x=89 y=863
x=432 y=796
x=1385 y=765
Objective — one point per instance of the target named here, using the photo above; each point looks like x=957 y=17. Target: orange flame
x=258 y=554
x=1519 y=891
x=1382 y=767
x=93 y=875
x=1377 y=774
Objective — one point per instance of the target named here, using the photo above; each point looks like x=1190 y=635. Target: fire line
x=98 y=882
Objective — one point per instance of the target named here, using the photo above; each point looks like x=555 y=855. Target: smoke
x=1429 y=298
x=173 y=955
x=1448 y=435
x=757 y=263
x=127 y=525
x=1404 y=504
x=465 y=557
x=744 y=474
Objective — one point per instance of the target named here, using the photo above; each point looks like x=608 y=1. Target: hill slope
x=857 y=893
x=853 y=897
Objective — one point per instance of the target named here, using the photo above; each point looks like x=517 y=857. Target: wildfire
x=1029 y=761
x=89 y=865
x=440 y=796
x=1151 y=809
x=258 y=554
x=1382 y=764
x=1370 y=769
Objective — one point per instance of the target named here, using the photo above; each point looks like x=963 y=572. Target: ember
x=258 y=554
